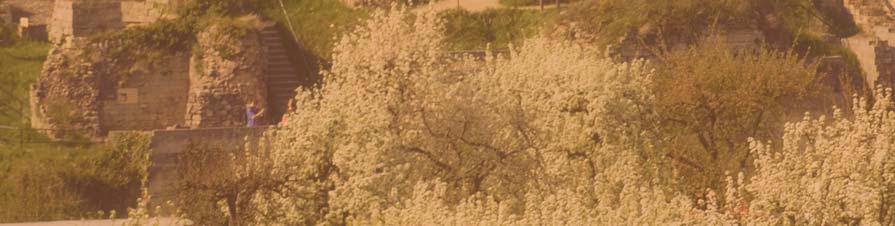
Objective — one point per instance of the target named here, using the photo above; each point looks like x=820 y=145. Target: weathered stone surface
x=73 y=18
x=65 y=97
x=156 y=90
x=225 y=75
x=38 y=12
x=5 y=13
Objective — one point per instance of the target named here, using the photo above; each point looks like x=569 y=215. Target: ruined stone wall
x=5 y=13
x=83 y=89
x=225 y=75
x=65 y=97
x=151 y=96
x=153 y=89
x=73 y=18
x=885 y=63
x=145 y=11
x=38 y=12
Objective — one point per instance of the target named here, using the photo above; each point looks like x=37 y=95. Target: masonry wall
x=142 y=12
x=5 y=13
x=37 y=11
x=167 y=145
x=62 y=23
x=151 y=97
x=885 y=63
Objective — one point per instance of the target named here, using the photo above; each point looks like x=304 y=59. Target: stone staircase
x=282 y=75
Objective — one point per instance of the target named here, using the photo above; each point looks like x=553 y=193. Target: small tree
x=215 y=179
x=711 y=99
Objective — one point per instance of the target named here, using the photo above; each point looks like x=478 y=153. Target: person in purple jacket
x=253 y=114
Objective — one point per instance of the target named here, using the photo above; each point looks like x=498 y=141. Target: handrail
x=304 y=60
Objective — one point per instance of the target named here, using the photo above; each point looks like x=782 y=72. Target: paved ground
x=162 y=222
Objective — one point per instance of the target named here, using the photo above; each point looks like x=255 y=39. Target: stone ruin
x=57 y=20
x=82 y=89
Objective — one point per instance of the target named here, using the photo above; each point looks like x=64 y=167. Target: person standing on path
x=290 y=108
x=253 y=114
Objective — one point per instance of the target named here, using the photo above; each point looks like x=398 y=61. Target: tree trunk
x=231 y=207
x=542 y=4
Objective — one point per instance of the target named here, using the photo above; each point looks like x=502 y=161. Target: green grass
x=320 y=23
x=317 y=23
x=53 y=181
x=498 y=27
x=21 y=63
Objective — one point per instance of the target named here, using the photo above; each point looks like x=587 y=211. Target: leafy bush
x=711 y=99
x=56 y=182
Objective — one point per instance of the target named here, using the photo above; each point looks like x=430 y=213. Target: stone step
x=281 y=56
x=279 y=63
x=276 y=51
x=280 y=97
x=271 y=37
x=282 y=78
x=278 y=57
x=282 y=87
x=283 y=82
x=281 y=70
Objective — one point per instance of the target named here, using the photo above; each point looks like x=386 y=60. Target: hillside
x=375 y=112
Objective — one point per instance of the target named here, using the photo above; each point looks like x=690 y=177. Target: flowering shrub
x=401 y=133
x=838 y=171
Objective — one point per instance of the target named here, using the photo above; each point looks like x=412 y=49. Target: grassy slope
x=46 y=181
x=319 y=23
x=21 y=63
x=498 y=27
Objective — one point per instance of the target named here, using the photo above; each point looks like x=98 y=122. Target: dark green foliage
x=55 y=182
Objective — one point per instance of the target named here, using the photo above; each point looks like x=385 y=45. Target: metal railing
x=12 y=135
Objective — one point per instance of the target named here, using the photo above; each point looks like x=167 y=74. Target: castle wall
x=142 y=12
x=226 y=74
x=149 y=98
x=82 y=18
x=38 y=12
x=62 y=22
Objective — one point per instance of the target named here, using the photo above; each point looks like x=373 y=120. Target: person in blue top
x=253 y=114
